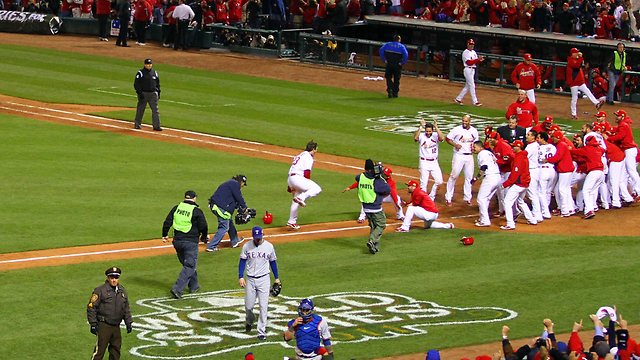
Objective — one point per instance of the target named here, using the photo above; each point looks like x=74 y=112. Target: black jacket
x=199 y=227
x=147 y=81
x=506 y=133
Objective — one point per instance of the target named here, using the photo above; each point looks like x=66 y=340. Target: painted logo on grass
x=447 y=120
x=212 y=323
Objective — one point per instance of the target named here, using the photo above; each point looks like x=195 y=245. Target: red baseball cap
x=548 y=119
x=493 y=135
x=527 y=56
x=488 y=130
x=575 y=136
x=471 y=42
x=557 y=134
x=601 y=114
x=620 y=112
x=574 y=50
x=518 y=143
x=413 y=183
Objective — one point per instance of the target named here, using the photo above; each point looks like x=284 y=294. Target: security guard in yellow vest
x=372 y=188
x=189 y=225
x=615 y=67
x=108 y=306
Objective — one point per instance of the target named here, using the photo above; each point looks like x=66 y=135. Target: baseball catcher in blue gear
x=311 y=331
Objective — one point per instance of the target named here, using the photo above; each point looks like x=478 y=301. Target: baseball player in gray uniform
x=257 y=257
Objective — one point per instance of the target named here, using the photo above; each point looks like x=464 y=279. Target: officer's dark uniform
x=147 y=86
x=123 y=9
x=394 y=54
x=107 y=308
x=189 y=224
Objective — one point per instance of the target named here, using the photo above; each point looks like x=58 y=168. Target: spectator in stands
x=510 y=15
x=141 y=20
x=587 y=18
x=541 y=17
x=85 y=8
x=367 y=7
x=208 y=16
x=353 y=10
x=222 y=13
x=625 y=26
x=296 y=9
x=65 y=9
x=254 y=9
x=395 y=8
x=103 y=10
x=524 y=16
x=604 y=24
x=479 y=12
x=495 y=12
x=461 y=12
x=159 y=7
x=310 y=13
x=408 y=6
x=566 y=20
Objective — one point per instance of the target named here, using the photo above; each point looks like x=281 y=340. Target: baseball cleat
x=448 y=203
x=589 y=215
x=401 y=229
x=262 y=337
x=532 y=222
x=506 y=227
x=299 y=201
x=240 y=241
x=459 y=102
x=497 y=214
x=478 y=104
x=451 y=226
x=400 y=218
x=479 y=224
x=247 y=328
x=372 y=247
x=175 y=294
x=599 y=104
x=293 y=226
x=212 y=249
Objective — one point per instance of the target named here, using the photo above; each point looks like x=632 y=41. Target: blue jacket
x=228 y=196
x=394 y=53
x=381 y=188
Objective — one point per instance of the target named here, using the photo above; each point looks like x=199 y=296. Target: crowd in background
x=607 y=19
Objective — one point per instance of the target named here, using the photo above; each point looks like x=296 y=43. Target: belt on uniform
x=258 y=277
x=470 y=67
x=546 y=166
x=421 y=158
x=294 y=174
x=464 y=153
x=532 y=168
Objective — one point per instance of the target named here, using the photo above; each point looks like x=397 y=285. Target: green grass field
x=66 y=186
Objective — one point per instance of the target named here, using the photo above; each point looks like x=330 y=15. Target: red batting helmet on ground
x=467 y=240
x=268 y=218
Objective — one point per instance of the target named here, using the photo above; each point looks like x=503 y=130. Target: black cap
x=241 y=179
x=113 y=271
x=190 y=194
x=368 y=164
x=148 y=61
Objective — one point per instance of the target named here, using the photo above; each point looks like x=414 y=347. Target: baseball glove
x=275 y=289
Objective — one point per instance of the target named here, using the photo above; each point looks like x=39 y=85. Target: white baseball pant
x=632 y=171
x=502 y=191
x=460 y=162
x=574 y=97
x=514 y=197
x=428 y=217
x=564 y=198
x=614 y=181
x=547 y=183
x=603 y=191
x=303 y=189
x=469 y=85
x=488 y=188
x=257 y=288
x=590 y=189
x=577 y=178
x=430 y=168
x=531 y=95
x=533 y=192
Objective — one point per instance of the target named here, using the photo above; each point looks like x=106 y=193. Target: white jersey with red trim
x=429 y=146
x=464 y=137
x=486 y=157
x=300 y=163
x=545 y=152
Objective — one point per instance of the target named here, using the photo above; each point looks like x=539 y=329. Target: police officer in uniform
x=372 y=188
x=394 y=55
x=108 y=306
x=147 y=86
x=189 y=225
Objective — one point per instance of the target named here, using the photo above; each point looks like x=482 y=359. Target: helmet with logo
x=267 y=218
x=387 y=171
x=467 y=240
x=305 y=309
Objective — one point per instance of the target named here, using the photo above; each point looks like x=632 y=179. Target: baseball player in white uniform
x=461 y=138
x=300 y=184
x=428 y=147
x=547 y=173
x=470 y=60
x=603 y=190
x=533 y=191
x=257 y=257
x=490 y=175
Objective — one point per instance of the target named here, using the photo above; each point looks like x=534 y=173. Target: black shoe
x=117 y=44
x=175 y=294
x=610 y=102
x=125 y=45
x=389 y=95
x=247 y=328
x=158 y=129
x=372 y=247
x=194 y=290
x=137 y=127
x=262 y=337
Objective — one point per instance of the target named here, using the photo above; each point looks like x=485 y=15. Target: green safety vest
x=223 y=214
x=182 y=217
x=366 y=194
x=619 y=62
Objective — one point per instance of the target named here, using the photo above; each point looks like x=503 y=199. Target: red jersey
x=422 y=199
x=86 y=6
x=168 y=19
x=526 y=112
x=623 y=136
x=581 y=165
x=103 y=7
x=592 y=155
x=607 y=128
x=604 y=24
x=528 y=76
x=494 y=12
x=504 y=155
x=143 y=11
x=562 y=158
x=322 y=9
x=600 y=86
x=394 y=190
x=519 y=171
x=575 y=76
x=353 y=8
x=222 y=13
x=614 y=154
x=208 y=17
x=235 y=10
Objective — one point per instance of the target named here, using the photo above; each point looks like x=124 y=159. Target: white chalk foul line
x=100 y=90
x=104 y=252
x=122 y=124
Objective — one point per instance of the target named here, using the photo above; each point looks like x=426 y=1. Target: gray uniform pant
x=151 y=98
x=377 y=223
x=257 y=288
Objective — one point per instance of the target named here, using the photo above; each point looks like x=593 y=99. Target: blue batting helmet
x=305 y=309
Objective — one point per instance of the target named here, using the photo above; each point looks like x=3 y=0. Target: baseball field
x=76 y=176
